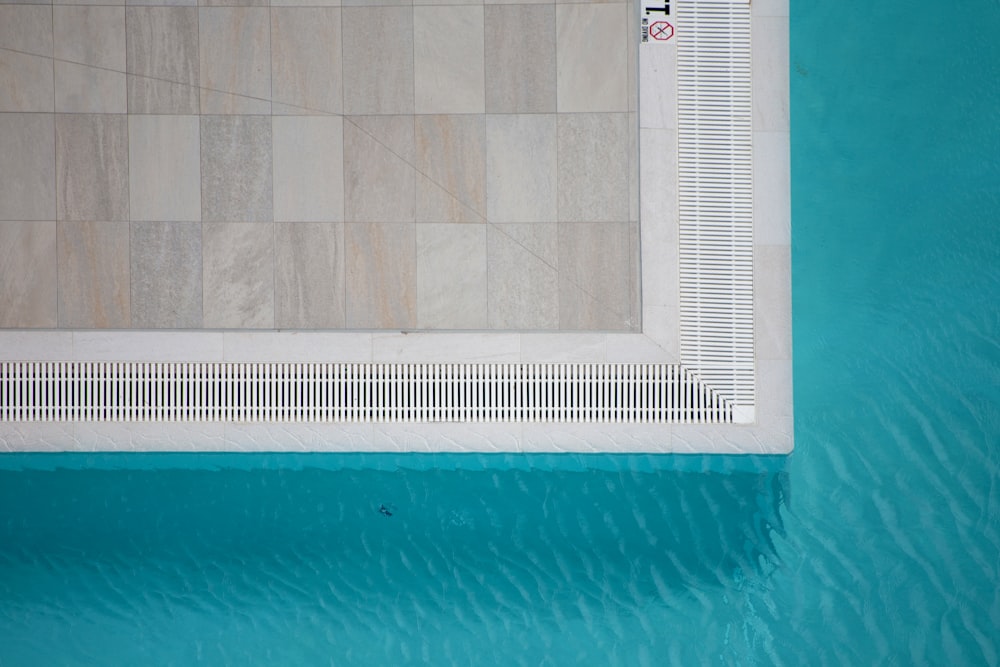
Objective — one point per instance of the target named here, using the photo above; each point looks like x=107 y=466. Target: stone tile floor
x=397 y=166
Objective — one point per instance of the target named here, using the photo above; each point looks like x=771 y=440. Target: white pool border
x=659 y=342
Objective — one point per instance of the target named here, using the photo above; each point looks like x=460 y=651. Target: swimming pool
x=875 y=542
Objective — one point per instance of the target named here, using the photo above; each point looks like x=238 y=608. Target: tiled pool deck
x=179 y=183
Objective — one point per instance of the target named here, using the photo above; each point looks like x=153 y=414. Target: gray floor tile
x=523 y=280
x=28 y=274
x=593 y=167
x=451 y=166
x=164 y=3
x=92 y=36
x=378 y=80
x=233 y=3
x=306 y=65
x=235 y=59
x=309 y=276
x=92 y=167
x=28 y=167
x=451 y=276
x=238 y=270
x=377 y=3
x=591 y=57
x=236 y=169
x=521 y=168
x=164 y=167
x=379 y=178
x=521 y=58
x=594 y=276
x=448 y=59
x=381 y=276
x=163 y=59
x=84 y=89
x=308 y=168
x=26 y=28
x=166 y=275
x=26 y=82
x=94 y=275
x=305 y=3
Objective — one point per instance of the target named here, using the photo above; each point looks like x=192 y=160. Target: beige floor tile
x=379 y=178
x=236 y=169
x=451 y=276
x=92 y=36
x=306 y=65
x=92 y=167
x=162 y=59
x=166 y=272
x=593 y=167
x=84 y=89
x=94 y=291
x=378 y=79
x=164 y=168
x=28 y=274
x=591 y=57
x=26 y=82
x=448 y=61
x=235 y=59
x=523 y=280
x=381 y=276
x=520 y=58
x=238 y=275
x=26 y=28
x=309 y=276
x=594 y=276
x=308 y=168
x=521 y=168
x=161 y=97
x=27 y=167
x=451 y=166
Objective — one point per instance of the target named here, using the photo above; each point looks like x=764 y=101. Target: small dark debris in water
x=384 y=511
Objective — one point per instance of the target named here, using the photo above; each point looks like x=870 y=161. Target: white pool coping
x=659 y=341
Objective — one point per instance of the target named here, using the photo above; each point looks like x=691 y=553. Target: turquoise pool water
x=876 y=542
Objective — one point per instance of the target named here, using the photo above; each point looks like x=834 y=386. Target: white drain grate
x=715 y=191
x=287 y=392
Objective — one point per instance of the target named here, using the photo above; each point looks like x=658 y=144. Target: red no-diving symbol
x=661 y=30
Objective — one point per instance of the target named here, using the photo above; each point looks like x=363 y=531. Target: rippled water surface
x=367 y=560
x=876 y=542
